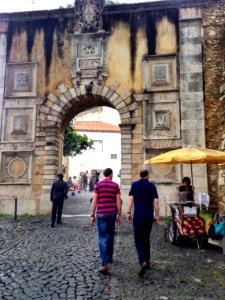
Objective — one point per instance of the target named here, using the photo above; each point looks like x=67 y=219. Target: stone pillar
x=3 y=49
x=126 y=162
x=191 y=89
x=50 y=166
x=221 y=168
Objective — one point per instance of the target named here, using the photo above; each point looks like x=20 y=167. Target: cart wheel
x=173 y=231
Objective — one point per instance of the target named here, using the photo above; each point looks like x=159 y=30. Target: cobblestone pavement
x=40 y=262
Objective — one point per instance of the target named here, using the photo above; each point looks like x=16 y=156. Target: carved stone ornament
x=89 y=12
x=17 y=167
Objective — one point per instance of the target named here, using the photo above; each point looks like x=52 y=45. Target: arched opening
x=101 y=126
x=57 y=111
x=74 y=110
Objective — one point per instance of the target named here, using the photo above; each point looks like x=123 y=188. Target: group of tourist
x=106 y=212
x=85 y=181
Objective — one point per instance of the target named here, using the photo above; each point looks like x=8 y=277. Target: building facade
x=104 y=153
x=159 y=64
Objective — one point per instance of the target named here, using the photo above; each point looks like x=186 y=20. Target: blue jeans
x=106 y=231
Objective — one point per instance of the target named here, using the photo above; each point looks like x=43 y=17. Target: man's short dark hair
x=186 y=179
x=107 y=172
x=60 y=176
x=144 y=173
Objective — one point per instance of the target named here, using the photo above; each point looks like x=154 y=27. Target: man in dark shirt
x=143 y=195
x=58 y=193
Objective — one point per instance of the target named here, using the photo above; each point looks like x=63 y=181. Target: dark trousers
x=57 y=206
x=142 y=231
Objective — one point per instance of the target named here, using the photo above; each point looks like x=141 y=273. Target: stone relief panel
x=18 y=125
x=88 y=55
x=86 y=50
x=15 y=167
x=20 y=80
x=162 y=173
x=162 y=117
x=159 y=72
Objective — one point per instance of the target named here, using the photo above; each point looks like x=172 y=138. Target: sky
x=28 y=5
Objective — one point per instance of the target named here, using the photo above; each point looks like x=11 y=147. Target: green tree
x=67 y=6
x=107 y=2
x=75 y=143
x=110 y=2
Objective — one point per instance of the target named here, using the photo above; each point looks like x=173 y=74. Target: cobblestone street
x=40 y=262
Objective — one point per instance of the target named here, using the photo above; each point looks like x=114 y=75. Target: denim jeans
x=142 y=231
x=106 y=231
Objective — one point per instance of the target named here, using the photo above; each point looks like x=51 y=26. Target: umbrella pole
x=192 y=175
x=192 y=180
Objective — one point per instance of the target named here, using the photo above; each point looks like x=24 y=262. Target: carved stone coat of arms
x=89 y=13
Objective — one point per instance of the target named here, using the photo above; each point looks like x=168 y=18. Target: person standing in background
x=97 y=175
x=92 y=181
x=80 y=181
x=69 y=182
x=75 y=183
x=143 y=195
x=85 y=180
x=186 y=190
x=58 y=192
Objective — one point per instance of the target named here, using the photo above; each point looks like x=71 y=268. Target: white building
x=106 y=152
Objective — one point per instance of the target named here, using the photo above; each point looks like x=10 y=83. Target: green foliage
x=75 y=143
x=4 y=215
x=67 y=6
x=110 y=2
x=107 y=2
x=25 y=215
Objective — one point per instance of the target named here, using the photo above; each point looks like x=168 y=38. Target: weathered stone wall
x=214 y=77
x=146 y=62
x=42 y=46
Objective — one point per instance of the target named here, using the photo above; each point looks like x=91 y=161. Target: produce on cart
x=186 y=221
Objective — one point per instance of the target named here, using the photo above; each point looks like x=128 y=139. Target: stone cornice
x=163 y=4
x=110 y=9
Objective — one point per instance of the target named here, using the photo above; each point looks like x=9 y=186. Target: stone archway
x=54 y=114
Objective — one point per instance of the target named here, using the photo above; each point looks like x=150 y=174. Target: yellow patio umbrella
x=189 y=155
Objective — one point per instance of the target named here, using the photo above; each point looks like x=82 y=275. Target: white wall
x=102 y=113
x=99 y=160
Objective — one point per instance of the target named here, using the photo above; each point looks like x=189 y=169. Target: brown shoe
x=103 y=270
x=142 y=270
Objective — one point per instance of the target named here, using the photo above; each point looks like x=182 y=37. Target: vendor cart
x=186 y=223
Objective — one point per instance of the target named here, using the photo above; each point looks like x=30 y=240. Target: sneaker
x=52 y=225
x=103 y=270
